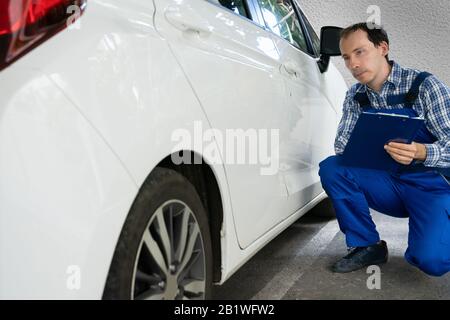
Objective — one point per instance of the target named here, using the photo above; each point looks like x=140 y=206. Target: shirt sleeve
x=350 y=115
x=436 y=101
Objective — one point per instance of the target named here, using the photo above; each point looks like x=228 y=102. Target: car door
x=313 y=119
x=233 y=64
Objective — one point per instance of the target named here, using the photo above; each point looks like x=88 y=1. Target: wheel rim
x=170 y=263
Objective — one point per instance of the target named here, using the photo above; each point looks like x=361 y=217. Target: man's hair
x=375 y=33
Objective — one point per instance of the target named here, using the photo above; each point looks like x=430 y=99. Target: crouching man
x=421 y=191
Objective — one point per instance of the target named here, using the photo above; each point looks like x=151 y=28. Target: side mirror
x=329 y=46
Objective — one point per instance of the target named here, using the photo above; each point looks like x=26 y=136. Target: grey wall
x=419 y=31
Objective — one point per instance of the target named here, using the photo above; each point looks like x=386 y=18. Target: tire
x=324 y=209
x=167 y=216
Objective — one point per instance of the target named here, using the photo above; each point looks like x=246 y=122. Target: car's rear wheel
x=164 y=250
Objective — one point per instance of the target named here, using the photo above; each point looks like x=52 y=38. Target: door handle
x=184 y=18
x=291 y=68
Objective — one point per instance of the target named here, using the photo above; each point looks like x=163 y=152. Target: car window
x=237 y=6
x=282 y=20
x=314 y=38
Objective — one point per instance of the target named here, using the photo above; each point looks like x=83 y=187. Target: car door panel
x=233 y=67
x=313 y=119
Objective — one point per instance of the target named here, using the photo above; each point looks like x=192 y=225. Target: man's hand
x=405 y=153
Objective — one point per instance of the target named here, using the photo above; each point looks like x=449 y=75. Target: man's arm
x=435 y=98
x=350 y=115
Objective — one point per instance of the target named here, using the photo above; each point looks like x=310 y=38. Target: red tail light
x=24 y=24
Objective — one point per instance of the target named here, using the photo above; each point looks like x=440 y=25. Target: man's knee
x=434 y=267
x=330 y=169
x=429 y=260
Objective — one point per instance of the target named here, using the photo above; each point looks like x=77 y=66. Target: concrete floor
x=295 y=266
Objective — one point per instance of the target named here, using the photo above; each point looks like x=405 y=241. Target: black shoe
x=361 y=257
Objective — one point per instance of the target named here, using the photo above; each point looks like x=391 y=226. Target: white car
x=98 y=101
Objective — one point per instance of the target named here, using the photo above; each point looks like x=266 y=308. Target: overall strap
x=413 y=93
x=408 y=99
x=363 y=100
x=396 y=99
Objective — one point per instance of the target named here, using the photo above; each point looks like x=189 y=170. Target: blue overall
x=417 y=192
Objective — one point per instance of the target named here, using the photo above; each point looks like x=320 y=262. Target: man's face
x=362 y=58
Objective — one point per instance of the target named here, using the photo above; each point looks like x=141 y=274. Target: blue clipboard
x=365 y=148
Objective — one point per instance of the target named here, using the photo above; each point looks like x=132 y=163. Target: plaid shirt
x=432 y=104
